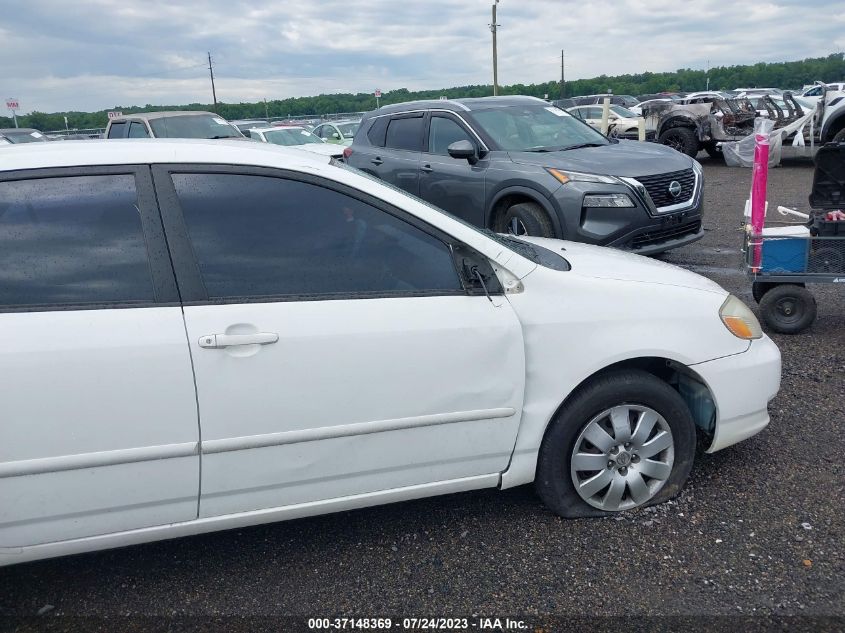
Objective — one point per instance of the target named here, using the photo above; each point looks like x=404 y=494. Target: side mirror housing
x=463 y=149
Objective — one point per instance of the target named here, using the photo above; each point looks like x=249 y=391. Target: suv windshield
x=291 y=136
x=536 y=128
x=193 y=126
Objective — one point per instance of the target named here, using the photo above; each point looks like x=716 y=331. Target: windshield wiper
x=582 y=145
x=214 y=138
x=545 y=149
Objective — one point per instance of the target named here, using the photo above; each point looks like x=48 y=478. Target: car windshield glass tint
x=535 y=128
x=291 y=137
x=199 y=126
x=348 y=129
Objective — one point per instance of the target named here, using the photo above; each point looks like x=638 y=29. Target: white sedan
x=297 y=137
x=622 y=122
x=197 y=336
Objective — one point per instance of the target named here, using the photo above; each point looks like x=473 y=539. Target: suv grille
x=658 y=187
x=664 y=235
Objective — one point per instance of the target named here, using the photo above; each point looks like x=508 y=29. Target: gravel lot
x=759 y=529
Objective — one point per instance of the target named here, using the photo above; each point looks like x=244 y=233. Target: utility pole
x=493 y=27
x=213 y=91
x=266 y=111
x=707 y=74
x=562 y=76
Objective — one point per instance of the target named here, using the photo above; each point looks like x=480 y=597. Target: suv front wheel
x=526 y=218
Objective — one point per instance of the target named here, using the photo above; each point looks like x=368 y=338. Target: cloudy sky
x=94 y=54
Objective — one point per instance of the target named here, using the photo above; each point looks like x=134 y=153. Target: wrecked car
x=707 y=121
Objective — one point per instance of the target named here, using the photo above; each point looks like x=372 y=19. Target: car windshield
x=348 y=129
x=536 y=128
x=623 y=112
x=193 y=126
x=291 y=136
x=25 y=137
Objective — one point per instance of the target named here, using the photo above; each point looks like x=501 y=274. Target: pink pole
x=759 y=180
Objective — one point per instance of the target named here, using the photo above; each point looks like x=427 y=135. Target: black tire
x=760 y=288
x=788 y=309
x=554 y=480
x=529 y=218
x=682 y=139
x=713 y=151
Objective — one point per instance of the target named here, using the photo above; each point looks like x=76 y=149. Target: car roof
x=152 y=151
x=458 y=105
x=18 y=130
x=160 y=115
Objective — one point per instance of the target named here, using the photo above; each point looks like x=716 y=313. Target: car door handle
x=377 y=161
x=426 y=168
x=216 y=341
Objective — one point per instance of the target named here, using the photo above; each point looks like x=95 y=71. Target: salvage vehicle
x=520 y=165
x=370 y=350
x=178 y=124
x=702 y=123
x=691 y=127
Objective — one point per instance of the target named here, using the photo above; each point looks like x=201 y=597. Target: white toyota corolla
x=197 y=336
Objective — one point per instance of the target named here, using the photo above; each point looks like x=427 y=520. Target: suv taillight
x=347 y=152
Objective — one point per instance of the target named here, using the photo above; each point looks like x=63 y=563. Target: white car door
x=336 y=350
x=98 y=417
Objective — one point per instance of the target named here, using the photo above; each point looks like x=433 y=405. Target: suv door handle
x=426 y=168
x=377 y=161
x=216 y=341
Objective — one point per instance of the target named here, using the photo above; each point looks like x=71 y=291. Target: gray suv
x=521 y=165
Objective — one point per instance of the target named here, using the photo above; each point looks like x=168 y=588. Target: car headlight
x=576 y=176
x=608 y=200
x=739 y=319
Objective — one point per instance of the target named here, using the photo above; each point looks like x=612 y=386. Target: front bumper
x=742 y=386
x=642 y=229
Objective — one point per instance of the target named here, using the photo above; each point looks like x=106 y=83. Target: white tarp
x=741 y=153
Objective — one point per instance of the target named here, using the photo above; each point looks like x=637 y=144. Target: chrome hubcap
x=622 y=458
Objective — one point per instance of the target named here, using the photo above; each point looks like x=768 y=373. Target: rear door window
x=405 y=133
x=72 y=240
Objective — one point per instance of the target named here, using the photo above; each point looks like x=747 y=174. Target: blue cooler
x=785 y=249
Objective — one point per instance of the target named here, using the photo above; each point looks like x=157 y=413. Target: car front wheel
x=625 y=440
x=526 y=218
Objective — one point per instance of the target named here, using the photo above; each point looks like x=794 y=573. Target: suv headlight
x=739 y=319
x=607 y=200
x=576 y=176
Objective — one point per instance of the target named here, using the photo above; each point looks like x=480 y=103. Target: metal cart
x=787 y=263
x=788 y=256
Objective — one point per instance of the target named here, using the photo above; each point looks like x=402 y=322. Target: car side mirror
x=463 y=149
x=335 y=135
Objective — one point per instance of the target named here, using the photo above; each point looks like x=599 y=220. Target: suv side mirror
x=463 y=149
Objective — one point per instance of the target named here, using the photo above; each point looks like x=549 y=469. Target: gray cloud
x=101 y=53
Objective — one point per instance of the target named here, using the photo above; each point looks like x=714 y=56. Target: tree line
x=792 y=75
